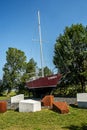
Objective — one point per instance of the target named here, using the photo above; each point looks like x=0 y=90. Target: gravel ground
x=68 y=100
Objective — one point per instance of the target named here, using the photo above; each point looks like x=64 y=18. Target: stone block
x=29 y=105
x=61 y=107
x=82 y=100
x=17 y=98
x=47 y=100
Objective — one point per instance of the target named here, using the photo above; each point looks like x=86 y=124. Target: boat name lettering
x=53 y=77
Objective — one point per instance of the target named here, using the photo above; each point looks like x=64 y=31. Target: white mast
x=40 y=39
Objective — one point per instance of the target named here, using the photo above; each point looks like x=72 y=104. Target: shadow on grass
x=74 y=105
x=74 y=127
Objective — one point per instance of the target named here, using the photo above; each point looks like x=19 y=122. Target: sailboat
x=44 y=84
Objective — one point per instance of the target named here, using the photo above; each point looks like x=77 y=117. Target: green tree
x=70 y=55
x=29 y=72
x=47 y=71
x=1 y=88
x=14 y=68
x=31 y=68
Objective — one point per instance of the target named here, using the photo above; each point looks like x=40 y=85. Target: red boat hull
x=43 y=82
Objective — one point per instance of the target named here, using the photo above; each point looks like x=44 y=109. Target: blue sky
x=19 y=25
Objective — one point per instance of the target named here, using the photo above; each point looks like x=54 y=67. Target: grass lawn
x=4 y=98
x=44 y=120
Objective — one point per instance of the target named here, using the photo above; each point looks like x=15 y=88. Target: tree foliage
x=1 y=88
x=13 y=68
x=29 y=72
x=31 y=68
x=70 y=55
x=47 y=71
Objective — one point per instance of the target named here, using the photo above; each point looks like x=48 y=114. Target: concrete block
x=29 y=105
x=82 y=100
x=17 y=98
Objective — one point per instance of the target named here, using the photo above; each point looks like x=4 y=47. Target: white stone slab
x=29 y=105
x=82 y=100
x=17 y=98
